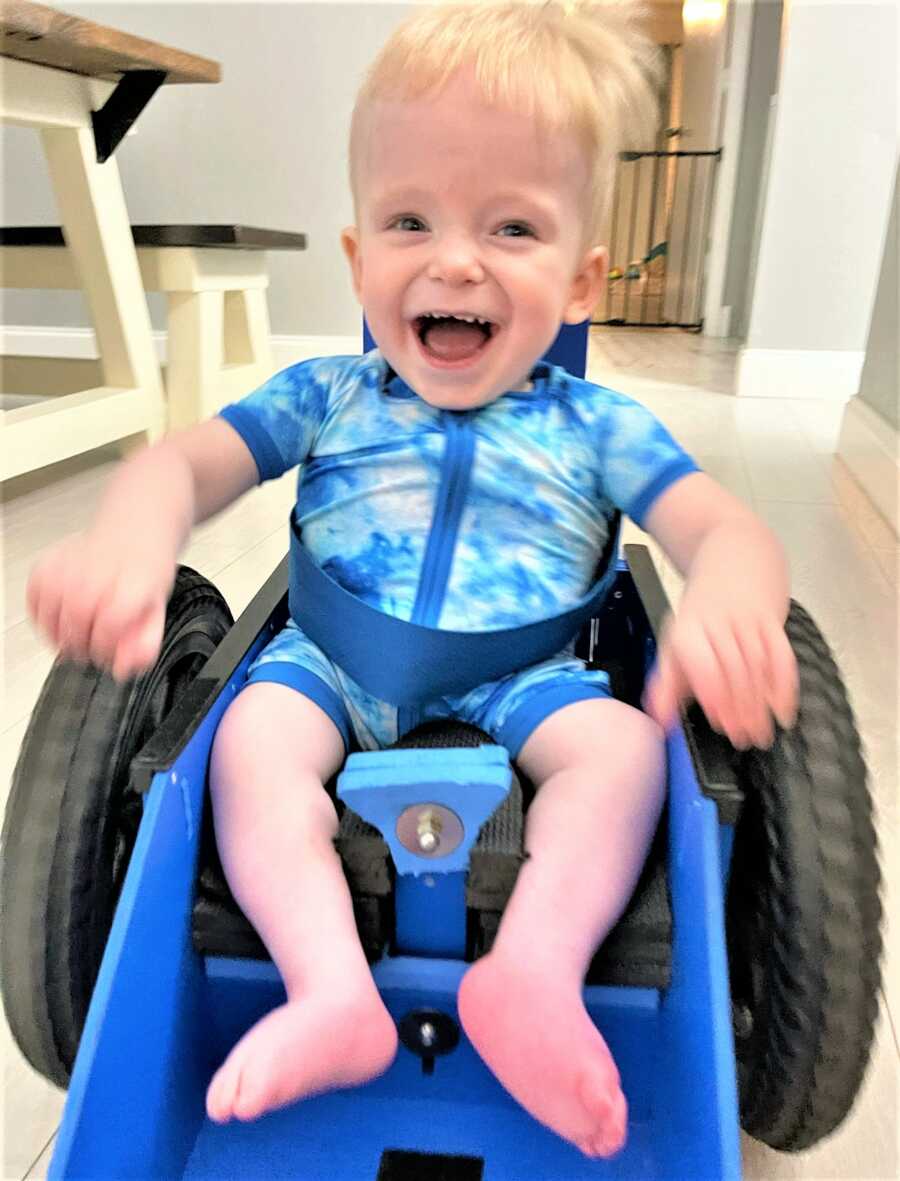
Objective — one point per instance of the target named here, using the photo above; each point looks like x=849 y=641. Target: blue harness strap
x=407 y=663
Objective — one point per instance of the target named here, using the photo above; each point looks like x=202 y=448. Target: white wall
x=879 y=385
x=266 y=146
x=833 y=156
x=869 y=442
x=752 y=80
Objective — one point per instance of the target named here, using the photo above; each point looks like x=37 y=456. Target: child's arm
x=727 y=648
x=101 y=595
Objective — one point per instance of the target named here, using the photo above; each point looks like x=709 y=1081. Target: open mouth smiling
x=452 y=338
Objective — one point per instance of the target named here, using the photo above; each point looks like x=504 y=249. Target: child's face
x=464 y=209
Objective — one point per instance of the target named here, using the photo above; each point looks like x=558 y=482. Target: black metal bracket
x=131 y=95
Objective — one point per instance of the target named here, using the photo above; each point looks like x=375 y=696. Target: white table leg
x=195 y=357
x=247 y=333
x=92 y=209
x=219 y=349
x=98 y=233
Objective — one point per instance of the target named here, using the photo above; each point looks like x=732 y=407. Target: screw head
x=427 y=1033
x=430 y=830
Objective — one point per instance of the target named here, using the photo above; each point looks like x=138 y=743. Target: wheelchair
x=739 y=988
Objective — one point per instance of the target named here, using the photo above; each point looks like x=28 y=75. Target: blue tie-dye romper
x=473 y=520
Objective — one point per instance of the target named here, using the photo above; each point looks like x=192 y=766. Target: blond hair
x=578 y=65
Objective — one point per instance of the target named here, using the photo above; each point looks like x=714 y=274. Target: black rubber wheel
x=71 y=823
x=803 y=914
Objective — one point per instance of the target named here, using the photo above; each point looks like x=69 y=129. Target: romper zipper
x=456 y=476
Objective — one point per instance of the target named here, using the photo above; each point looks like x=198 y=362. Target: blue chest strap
x=407 y=663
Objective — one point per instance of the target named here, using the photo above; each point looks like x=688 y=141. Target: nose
x=455 y=260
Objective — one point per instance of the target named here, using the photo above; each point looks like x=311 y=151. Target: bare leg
x=600 y=770
x=274 y=827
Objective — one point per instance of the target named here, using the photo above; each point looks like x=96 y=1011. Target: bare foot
x=534 y=1033
x=318 y=1042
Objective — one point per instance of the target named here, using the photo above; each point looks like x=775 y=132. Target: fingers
x=783 y=684
x=666 y=688
x=686 y=667
x=121 y=611
x=743 y=658
x=44 y=602
x=139 y=647
x=716 y=679
x=76 y=617
x=92 y=610
x=740 y=676
x=46 y=590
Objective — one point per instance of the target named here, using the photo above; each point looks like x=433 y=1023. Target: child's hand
x=735 y=660
x=103 y=599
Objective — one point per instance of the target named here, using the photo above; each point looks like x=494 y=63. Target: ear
x=351 y=247
x=587 y=285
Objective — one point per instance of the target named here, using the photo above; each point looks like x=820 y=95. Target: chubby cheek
x=539 y=293
x=381 y=294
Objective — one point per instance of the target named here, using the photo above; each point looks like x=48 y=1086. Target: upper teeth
x=455 y=316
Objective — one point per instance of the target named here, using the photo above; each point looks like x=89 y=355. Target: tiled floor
x=777 y=455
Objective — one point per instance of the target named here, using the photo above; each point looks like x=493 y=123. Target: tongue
x=454 y=340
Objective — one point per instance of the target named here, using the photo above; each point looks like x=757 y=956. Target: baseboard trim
x=870 y=447
x=799 y=373
x=32 y=341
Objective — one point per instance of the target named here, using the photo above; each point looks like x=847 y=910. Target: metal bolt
x=427 y=1033
x=429 y=830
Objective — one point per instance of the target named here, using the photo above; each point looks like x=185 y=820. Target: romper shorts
x=509 y=709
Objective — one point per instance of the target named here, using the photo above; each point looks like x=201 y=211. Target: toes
x=252 y=1097
x=606 y=1144
x=602 y=1096
x=597 y=1092
x=220 y=1096
x=611 y=1138
x=247 y=1105
x=586 y=1146
x=214 y=1108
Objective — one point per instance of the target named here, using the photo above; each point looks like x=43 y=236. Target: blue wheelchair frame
x=163 y=1017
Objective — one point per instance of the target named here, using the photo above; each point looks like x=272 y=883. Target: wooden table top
x=48 y=37
x=222 y=237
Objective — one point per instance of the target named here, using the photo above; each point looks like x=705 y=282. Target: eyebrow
x=513 y=198
x=414 y=196
x=401 y=196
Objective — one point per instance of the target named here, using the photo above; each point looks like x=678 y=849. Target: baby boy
x=451 y=478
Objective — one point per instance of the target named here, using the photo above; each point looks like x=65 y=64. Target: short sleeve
x=279 y=421
x=639 y=458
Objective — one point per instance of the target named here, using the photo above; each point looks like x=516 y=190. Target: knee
x=626 y=733
x=645 y=732
x=260 y=755
x=234 y=735
x=629 y=755
x=253 y=746
x=271 y=730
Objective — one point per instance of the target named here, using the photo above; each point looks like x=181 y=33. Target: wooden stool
x=215 y=278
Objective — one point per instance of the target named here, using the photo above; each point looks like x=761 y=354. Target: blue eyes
x=402 y=223
x=410 y=224
x=523 y=230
